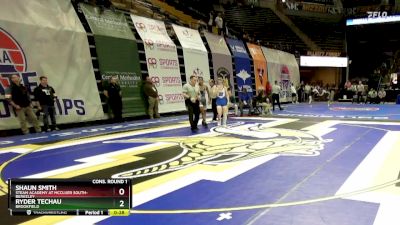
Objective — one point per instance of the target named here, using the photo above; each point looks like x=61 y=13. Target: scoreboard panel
x=96 y=197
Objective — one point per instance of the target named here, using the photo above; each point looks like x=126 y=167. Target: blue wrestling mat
x=342 y=110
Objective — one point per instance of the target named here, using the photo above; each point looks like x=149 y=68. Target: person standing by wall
x=203 y=100
x=151 y=93
x=276 y=89
x=114 y=97
x=360 y=91
x=192 y=95
x=220 y=23
x=213 y=96
x=45 y=96
x=294 y=94
x=210 y=21
x=18 y=97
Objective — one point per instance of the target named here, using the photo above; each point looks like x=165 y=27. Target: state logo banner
x=46 y=38
x=242 y=68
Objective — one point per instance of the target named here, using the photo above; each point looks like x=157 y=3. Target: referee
x=276 y=89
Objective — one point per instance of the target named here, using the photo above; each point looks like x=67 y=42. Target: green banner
x=107 y=22
x=117 y=54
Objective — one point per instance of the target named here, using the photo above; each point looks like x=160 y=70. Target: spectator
x=307 y=93
x=232 y=101
x=114 y=97
x=372 y=96
x=382 y=95
x=18 y=96
x=360 y=91
x=276 y=90
x=151 y=93
x=192 y=95
x=245 y=100
x=210 y=21
x=264 y=102
x=220 y=23
x=294 y=94
x=45 y=95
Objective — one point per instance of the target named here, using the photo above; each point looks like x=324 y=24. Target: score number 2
x=121 y=191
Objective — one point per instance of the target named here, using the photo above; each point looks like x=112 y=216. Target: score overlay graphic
x=94 y=197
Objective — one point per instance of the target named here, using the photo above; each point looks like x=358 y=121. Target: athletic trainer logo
x=237 y=142
x=152 y=62
x=156 y=81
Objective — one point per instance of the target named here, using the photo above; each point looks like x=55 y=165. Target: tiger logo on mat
x=236 y=142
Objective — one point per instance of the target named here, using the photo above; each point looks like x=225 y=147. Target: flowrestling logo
x=13 y=61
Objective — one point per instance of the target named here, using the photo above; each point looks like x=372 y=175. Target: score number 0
x=121 y=191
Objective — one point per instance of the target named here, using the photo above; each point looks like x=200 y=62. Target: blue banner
x=242 y=68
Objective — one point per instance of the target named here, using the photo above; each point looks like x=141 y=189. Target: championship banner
x=118 y=55
x=282 y=67
x=260 y=66
x=221 y=58
x=242 y=66
x=46 y=38
x=162 y=63
x=194 y=53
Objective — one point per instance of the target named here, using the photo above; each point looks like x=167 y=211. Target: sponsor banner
x=107 y=23
x=194 y=52
x=162 y=63
x=242 y=67
x=282 y=67
x=221 y=58
x=324 y=53
x=312 y=7
x=118 y=56
x=260 y=66
x=217 y=44
x=51 y=28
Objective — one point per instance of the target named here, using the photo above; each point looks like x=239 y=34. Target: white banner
x=282 y=67
x=221 y=58
x=162 y=62
x=194 y=52
x=46 y=38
